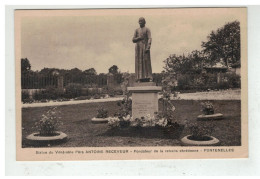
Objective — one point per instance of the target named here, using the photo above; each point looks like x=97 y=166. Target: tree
x=192 y=63
x=224 y=44
x=25 y=65
x=90 y=71
x=113 y=69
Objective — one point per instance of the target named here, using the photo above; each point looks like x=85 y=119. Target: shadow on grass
x=171 y=132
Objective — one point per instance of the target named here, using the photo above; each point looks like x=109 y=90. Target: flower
x=127 y=118
x=48 y=123
x=113 y=121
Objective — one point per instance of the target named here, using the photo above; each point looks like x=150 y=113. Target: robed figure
x=142 y=38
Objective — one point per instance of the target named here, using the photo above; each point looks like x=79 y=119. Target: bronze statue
x=142 y=38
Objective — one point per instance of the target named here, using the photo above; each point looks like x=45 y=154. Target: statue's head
x=142 y=22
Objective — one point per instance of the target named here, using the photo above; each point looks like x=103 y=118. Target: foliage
x=149 y=121
x=27 y=100
x=201 y=132
x=90 y=71
x=25 y=65
x=113 y=122
x=97 y=96
x=145 y=121
x=125 y=107
x=73 y=90
x=168 y=87
x=207 y=108
x=233 y=80
x=102 y=113
x=113 y=69
x=82 y=98
x=202 y=82
x=192 y=63
x=25 y=95
x=49 y=123
x=224 y=43
x=126 y=104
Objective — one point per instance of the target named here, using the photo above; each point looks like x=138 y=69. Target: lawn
x=82 y=133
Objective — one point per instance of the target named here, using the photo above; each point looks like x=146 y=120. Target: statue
x=142 y=38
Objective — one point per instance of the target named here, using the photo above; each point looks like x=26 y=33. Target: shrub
x=25 y=96
x=102 y=113
x=53 y=93
x=73 y=90
x=234 y=80
x=119 y=92
x=184 y=82
x=97 y=96
x=28 y=101
x=201 y=132
x=49 y=123
x=202 y=82
x=207 y=108
x=125 y=107
x=111 y=92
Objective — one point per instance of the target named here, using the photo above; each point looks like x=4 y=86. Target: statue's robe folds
x=143 y=67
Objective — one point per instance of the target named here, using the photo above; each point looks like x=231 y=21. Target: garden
x=75 y=121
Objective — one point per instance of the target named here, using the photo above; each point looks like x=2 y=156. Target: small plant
x=125 y=107
x=149 y=121
x=201 y=132
x=113 y=122
x=207 y=108
x=102 y=113
x=49 y=123
x=97 y=96
x=168 y=107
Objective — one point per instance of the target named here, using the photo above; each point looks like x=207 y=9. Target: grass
x=82 y=133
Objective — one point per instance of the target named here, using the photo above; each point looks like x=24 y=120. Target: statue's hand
x=140 y=38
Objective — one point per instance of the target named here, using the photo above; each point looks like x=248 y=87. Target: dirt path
x=211 y=95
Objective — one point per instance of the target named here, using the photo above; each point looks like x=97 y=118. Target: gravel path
x=211 y=95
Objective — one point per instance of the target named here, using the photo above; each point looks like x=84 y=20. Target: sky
x=99 y=39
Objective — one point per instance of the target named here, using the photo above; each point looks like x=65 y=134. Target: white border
x=159 y=167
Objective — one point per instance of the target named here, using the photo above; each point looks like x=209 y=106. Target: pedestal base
x=144 y=100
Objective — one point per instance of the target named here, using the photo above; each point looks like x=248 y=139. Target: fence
x=37 y=81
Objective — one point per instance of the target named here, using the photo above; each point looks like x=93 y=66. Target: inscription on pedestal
x=144 y=103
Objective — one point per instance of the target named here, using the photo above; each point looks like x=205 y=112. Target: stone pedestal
x=144 y=100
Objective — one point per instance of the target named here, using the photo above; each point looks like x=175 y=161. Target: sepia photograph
x=162 y=83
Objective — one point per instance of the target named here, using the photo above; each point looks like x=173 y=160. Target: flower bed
x=47 y=130
x=147 y=127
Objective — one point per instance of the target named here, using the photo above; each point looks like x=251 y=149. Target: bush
x=82 y=98
x=111 y=92
x=97 y=96
x=49 y=123
x=119 y=92
x=234 y=80
x=28 y=100
x=202 y=82
x=102 y=113
x=184 y=82
x=73 y=90
x=25 y=96
x=51 y=93
x=39 y=95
